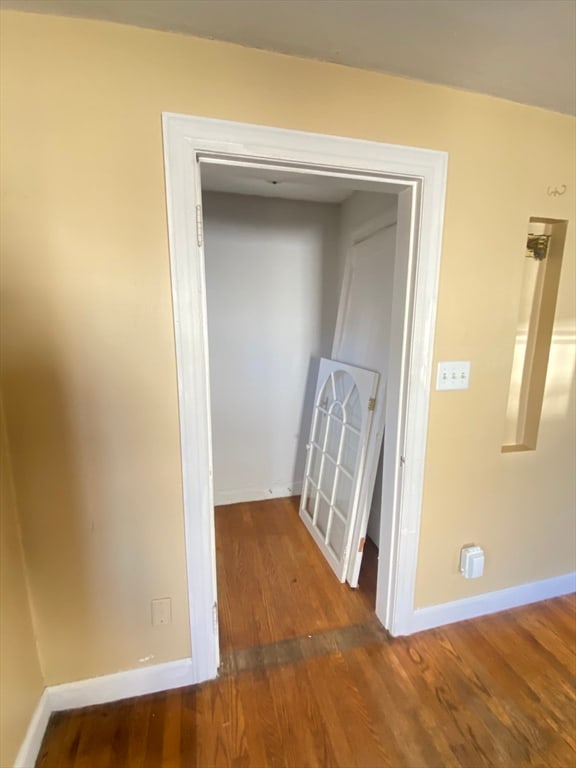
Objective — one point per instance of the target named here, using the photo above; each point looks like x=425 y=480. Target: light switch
x=453 y=375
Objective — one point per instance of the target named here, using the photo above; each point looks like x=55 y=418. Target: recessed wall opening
x=534 y=332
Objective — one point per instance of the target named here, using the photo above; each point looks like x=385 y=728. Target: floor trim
x=122 y=685
x=30 y=747
x=244 y=495
x=490 y=602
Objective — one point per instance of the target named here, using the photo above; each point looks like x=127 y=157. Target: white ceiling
x=285 y=184
x=523 y=50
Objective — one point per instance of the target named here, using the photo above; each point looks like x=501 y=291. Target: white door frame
x=419 y=177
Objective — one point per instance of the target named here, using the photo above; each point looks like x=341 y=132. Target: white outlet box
x=472 y=562
x=453 y=375
x=161 y=611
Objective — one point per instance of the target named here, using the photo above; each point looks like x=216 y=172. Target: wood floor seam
x=297 y=649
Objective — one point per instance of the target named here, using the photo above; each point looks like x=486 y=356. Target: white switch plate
x=453 y=375
x=161 y=611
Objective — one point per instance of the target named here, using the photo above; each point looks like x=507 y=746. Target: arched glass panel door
x=335 y=461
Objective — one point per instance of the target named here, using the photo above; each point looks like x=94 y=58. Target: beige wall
x=21 y=682
x=88 y=345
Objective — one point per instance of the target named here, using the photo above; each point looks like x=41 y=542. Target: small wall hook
x=556 y=191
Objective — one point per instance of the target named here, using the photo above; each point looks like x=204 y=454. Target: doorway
x=417 y=178
x=277 y=246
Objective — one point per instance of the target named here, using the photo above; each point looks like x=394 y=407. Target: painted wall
x=88 y=347
x=21 y=682
x=272 y=288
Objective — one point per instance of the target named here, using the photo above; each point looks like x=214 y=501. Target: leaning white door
x=362 y=338
x=341 y=423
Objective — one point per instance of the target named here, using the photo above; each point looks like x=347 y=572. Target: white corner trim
x=100 y=690
x=490 y=602
x=122 y=685
x=242 y=495
x=30 y=747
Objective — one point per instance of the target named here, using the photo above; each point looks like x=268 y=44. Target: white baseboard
x=490 y=602
x=30 y=747
x=100 y=690
x=122 y=685
x=243 y=495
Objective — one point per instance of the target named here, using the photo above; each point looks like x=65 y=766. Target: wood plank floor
x=273 y=583
x=495 y=691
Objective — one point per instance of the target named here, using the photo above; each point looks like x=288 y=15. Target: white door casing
x=362 y=338
x=418 y=176
x=336 y=455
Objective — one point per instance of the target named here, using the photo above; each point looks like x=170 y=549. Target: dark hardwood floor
x=326 y=686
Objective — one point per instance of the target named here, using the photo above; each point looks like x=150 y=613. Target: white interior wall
x=361 y=208
x=272 y=279
x=358 y=211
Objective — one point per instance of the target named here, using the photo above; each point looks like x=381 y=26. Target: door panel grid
x=336 y=449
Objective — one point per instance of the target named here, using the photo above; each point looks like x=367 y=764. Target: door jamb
x=421 y=174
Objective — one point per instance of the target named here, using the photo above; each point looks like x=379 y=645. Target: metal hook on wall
x=556 y=191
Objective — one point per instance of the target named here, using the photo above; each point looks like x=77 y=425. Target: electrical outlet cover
x=161 y=611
